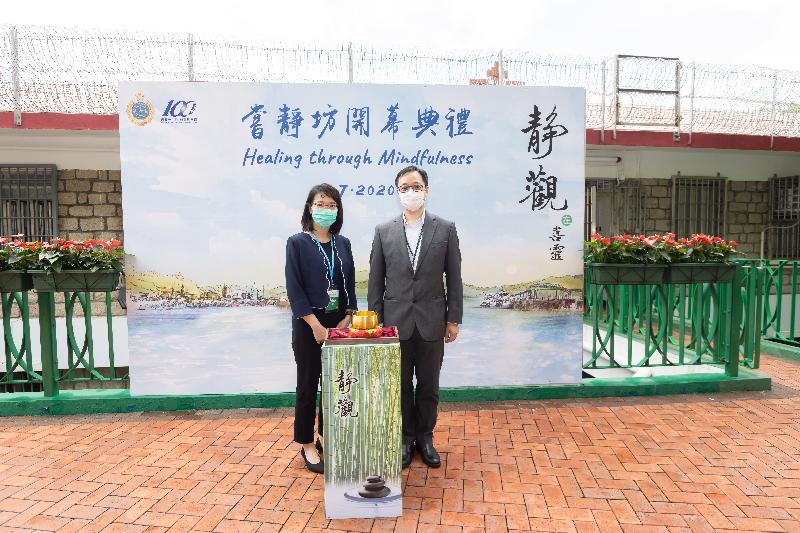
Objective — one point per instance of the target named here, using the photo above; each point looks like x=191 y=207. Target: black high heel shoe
x=317 y=468
x=318 y=445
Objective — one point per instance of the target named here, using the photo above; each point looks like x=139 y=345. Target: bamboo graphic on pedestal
x=363 y=438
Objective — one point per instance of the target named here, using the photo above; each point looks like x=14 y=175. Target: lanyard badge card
x=333 y=299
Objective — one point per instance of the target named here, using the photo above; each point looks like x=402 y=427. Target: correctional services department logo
x=140 y=111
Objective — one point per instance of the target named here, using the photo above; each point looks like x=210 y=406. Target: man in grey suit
x=411 y=257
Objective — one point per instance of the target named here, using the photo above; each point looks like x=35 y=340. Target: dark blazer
x=404 y=298
x=306 y=282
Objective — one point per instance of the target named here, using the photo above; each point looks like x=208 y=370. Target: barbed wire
x=71 y=70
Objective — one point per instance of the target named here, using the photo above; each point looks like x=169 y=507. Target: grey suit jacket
x=406 y=299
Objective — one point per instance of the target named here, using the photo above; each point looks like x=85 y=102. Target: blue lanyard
x=328 y=262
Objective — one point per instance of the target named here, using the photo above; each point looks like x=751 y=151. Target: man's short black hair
x=412 y=168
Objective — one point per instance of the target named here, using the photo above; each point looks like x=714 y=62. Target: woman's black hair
x=331 y=192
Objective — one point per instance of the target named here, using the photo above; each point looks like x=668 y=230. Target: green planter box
x=621 y=274
x=681 y=273
x=75 y=281
x=15 y=281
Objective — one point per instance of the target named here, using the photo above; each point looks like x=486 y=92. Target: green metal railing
x=19 y=357
x=633 y=326
x=636 y=326
x=81 y=369
x=779 y=316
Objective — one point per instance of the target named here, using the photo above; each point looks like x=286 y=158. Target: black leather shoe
x=408 y=454
x=317 y=468
x=428 y=453
x=318 y=445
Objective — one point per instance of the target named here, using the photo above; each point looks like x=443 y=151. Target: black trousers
x=419 y=408
x=308 y=357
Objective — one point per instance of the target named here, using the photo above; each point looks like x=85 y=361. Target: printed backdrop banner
x=215 y=176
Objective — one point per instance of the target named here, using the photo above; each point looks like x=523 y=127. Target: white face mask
x=411 y=199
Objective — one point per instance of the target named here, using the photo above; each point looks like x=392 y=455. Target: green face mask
x=324 y=217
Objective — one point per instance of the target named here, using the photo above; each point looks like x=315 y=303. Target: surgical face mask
x=411 y=200
x=324 y=217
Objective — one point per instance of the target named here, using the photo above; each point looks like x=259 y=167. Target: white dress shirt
x=413 y=231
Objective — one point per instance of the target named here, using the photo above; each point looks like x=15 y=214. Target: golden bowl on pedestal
x=365 y=320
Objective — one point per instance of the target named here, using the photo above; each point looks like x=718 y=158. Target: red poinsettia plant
x=16 y=255
x=91 y=255
x=60 y=254
x=658 y=249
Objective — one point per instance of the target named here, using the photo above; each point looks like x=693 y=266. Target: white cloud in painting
x=359 y=209
x=510 y=259
x=278 y=213
x=505 y=209
x=164 y=220
x=240 y=258
x=182 y=184
x=157 y=157
x=162 y=155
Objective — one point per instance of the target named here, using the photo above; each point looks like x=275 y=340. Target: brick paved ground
x=678 y=463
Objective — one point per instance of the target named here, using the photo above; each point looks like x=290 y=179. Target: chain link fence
x=64 y=70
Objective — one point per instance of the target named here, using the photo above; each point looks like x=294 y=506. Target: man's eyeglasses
x=325 y=206
x=415 y=188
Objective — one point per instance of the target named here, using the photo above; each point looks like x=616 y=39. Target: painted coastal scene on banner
x=206 y=221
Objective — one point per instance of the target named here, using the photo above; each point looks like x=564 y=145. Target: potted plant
x=84 y=266
x=15 y=258
x=627 y=259
x=705 y=260
x=639 y=259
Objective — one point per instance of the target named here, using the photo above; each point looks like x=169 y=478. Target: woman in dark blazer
x=321 y=287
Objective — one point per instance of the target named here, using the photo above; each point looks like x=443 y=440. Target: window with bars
x=783 y=233
x=699 y=205
x=29 y=201
x=614 y=207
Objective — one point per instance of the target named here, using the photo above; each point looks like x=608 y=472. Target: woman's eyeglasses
x=325 y=206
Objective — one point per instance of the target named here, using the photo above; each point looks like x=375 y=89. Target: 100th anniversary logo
x=141 y=111
x=179 y=112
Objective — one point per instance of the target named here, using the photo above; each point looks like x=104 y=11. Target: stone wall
x=658 y=204
x=90 y=204
x=748 y=214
